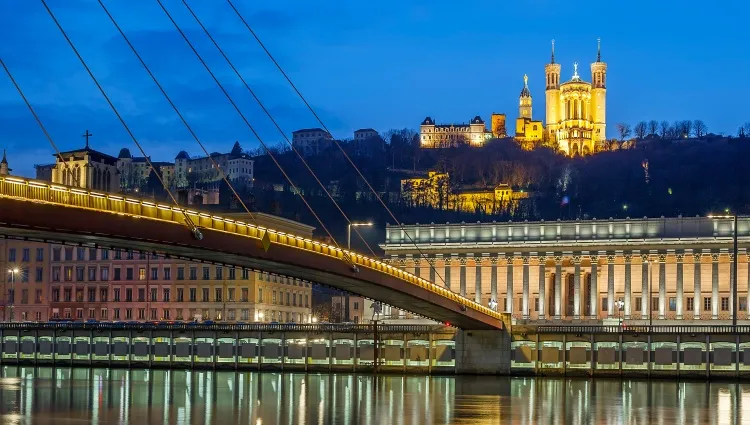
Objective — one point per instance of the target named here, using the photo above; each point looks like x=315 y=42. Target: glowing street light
x=314 y=319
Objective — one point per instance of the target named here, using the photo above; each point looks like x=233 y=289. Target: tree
x=687 y=128
x=640 y=129
x=653 y=127
x=699 y=128
x=746 y=129
x=664 y=129
x=624 y=130
x=236 y=149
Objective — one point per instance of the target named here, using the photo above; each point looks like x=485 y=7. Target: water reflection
x=98 y=396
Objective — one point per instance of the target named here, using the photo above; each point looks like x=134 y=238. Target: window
x=294 y=301
x=205 y=295
x=193 y=296
x=690 y=305
x=105 y=254
x=141 y=294
x=104 y=273
x=67 y=313
x=180 y=295
x=654 y=303
x=141 y=273
x=260 y=295
x=742 y=304
x=218 y=293
x=92 y=254
x=167 y=273
x=245 y=294
x=129 y=295
x=92 y=313
x=141 y=255
x=26 y=256
x=706 y=303
x=56 y=254
x=117 y=274
x=219 y=272
x=193 y=273
x=165 y=297
x=56 y=274
x=180 y=273
x=118 y=254
x=68 y=254
x=724 y=303
x=153 y=294
x=103 y=292
x=153 y=314
x=230 y=294
x=79 y=274
x=128 y=313
x=307 y=304
x=81 y=254
x=165 y=314
x=103 y=313
x=39 y=274
x=68 y=274
x=67 y=295
x=79 y=295
x=38 y=316
x=141 y=314
x=79 y=313
x=92 y=295
x=245 y=314
x=604 y=304
x=206 y=273
x=232 y=273
x=116 y=313
x=24 y=296
x=12 y=255
x=92 y=274
x=672 y=304
x=38 y=297
x=230 y=315
x=116 y=295
x=154 y=273
x=245 y=274
x=273 y=297
x=638 y=304
x=40 y=254
x=129 y=273
x=287 y=298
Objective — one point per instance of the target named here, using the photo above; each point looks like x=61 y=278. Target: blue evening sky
x=381 y=64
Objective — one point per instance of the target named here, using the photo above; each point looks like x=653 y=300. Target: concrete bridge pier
x=485 y=352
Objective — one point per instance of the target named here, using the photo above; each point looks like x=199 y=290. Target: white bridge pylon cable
x=67 y=170
x=177 y=111
x=275 y=123
x=188 y=221
x=322 y=124
x=347 y=256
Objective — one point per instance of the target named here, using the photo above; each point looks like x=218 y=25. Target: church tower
x=552 y=72
x=599 y=95
x=4 y=170
x=524 y=103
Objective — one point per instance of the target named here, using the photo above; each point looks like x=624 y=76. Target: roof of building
x=94 y=154
x=182 y=155
x=4 y=160
x=365 y=130
x=477 y=120
x=124 y=153
x=304 y=130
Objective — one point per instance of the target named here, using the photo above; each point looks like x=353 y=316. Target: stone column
x=697 y=302
x=576 y=287
x=662 y=285
x=509 y=284
x=715 y=286
x=542 y=289
x=431 y=263
x=478 y=280
x=731 y=286
x=493 y=279
x=447 y=274
x=525 y=311
x=610 y=285
x=628 y=285
x=417 y=263
x=594 y=295
x=645 y=295
x=462 y=275
x=747 y=258
x=558 y=287
x=680 y=291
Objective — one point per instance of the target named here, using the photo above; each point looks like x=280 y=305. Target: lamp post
x=619 y=304
x=13 y=273
x=345 y=297
x=733 y=282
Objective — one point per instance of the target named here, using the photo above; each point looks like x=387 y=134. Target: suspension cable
x=188 y=221
x=177 y=111
x=347 y=257
x=317 y=117
x=66 y=166
x=286 y=138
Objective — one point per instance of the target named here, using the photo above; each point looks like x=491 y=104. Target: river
x=116 y=396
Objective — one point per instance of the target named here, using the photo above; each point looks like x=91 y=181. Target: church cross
x=86 y=135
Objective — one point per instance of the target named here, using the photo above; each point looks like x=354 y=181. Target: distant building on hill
x=4 y=170
x=367 y=142
x=311 y=141
x=434 y=135
x=528 y=131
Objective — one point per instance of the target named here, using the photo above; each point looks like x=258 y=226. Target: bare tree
x=664 y=129
x=699 y=128
x=640 y=129
x=687 y=128
x=746 y=129
x=653 y=127
x=624 y=130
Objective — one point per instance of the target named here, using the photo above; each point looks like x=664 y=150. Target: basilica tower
x=524 y=100
x=552 y=73
x=599 y=95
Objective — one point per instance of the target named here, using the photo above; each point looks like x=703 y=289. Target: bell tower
x=599 y=95
x=552 y=73
x=524 y=100
x=4 y=170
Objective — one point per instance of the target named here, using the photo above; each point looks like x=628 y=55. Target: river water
x=109 y=396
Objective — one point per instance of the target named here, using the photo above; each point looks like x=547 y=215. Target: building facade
x=4 y=169
x=86 y=168
x=367 y=142
x=576 y=109
x=528 y=131
x=433 y=135
x=630 y=269
x=311 y=141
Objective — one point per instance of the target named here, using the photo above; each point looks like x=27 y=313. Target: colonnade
x=688 y=284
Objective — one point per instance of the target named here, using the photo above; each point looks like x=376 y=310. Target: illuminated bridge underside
x=61 y=222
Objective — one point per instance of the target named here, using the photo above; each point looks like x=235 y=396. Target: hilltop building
x=85 y=168
x=527 y=130
x=311 y=141
x=4 y=170
x=446 y=135
x=367 y=142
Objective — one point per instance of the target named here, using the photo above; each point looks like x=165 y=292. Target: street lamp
x=619 y=304
x=733 y=282
x=345 y=297
x=13 y=273
x=314 y=319
x=493 y=305
x=260 y=316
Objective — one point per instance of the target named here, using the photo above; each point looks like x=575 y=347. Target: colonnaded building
x=584 y=271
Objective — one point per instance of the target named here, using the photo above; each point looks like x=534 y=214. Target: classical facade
x=631 y=269
x=576 y=109
x=86 y=168
x=432 y=135
x=528 y=131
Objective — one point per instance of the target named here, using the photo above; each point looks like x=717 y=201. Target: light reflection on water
x=46 y=395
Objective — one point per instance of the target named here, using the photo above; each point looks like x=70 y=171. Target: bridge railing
x=16 y=187
x=636 y=329
x=225 y=327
